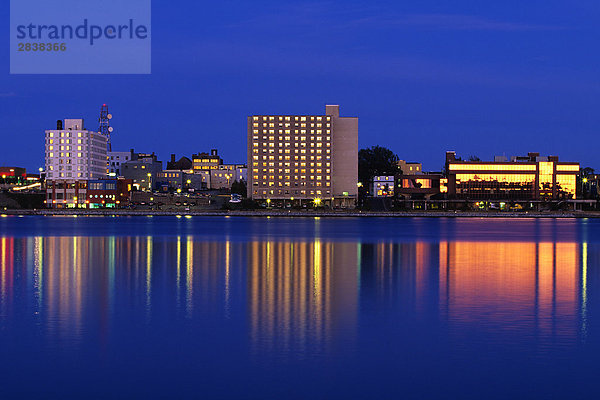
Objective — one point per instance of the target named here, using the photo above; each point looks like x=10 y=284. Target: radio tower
x=104 y=125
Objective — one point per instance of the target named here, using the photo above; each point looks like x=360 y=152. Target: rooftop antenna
x=104 y=125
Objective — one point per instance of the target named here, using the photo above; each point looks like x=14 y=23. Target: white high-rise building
x=73 y=155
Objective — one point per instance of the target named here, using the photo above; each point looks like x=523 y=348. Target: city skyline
x=423 y=79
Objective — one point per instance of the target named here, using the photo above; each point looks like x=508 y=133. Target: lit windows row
x=290 y=131
x=51 y=155
x=296 y=151
x=517 y=167
x=66 y=134
x=567 y=167
x=65 y=141
x=289 y=164
x=510 y=178
x=291 y=118
x=290 y=184
x=296 y=192
x=289 y=157
x=66 y=175
x=63 y=148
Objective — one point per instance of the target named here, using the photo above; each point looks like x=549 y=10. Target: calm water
x=165 y=307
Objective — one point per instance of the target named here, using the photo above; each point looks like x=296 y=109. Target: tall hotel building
x=304 y=158
x=73 y=155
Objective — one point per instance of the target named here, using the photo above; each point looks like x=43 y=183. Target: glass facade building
x=525 y=178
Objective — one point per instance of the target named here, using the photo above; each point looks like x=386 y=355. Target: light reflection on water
x=299 y=300
x=297 y=292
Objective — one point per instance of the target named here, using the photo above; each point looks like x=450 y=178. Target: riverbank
x=309 y=213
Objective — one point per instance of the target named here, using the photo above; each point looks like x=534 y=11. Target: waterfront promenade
x=309 y=213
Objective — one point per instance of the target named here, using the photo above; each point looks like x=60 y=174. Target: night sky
x=481 y=78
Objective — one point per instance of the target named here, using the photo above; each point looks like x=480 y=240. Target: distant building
x=410 y=168
x=116 y=158
x=73 y=155
x=530 y=177
x=13 y=175
x=183 y=164
x=142 y=170
x=226 y=174
x=206 y=161
x=304 y=157
x=383 y=186
x=201 y=179
x=173 y=180
x=170 y=180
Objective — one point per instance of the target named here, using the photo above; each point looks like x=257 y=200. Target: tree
x=239 y=187
x=587 y=171
x=474 y=158
x=376 y=161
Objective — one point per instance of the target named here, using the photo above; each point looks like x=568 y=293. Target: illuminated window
x=567 y=167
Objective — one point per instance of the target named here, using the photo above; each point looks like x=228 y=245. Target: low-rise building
x=116 y=158
x=206 y=161
x=410 y=168
x=531 y=177
x=108 y=193
x=174 y=180
x=142 y=171
x=183 y=164
x=383 y=186
x=421 y=186
x=13 y=175
x=226 y=174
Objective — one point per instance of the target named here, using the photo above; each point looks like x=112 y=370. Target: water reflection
x=300 y=293
x=520 y=289
x=296 y=296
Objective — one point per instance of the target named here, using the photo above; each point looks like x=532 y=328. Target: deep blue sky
x=423 y=77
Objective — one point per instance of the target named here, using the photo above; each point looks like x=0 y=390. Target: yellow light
x=317 y=201
x=151 y=198
x=291 y=198
x=75 y=198
x=268 y=201
x=189 y=181
x=40 y=169
x=585 y=180
x=149 y=174
x=178 y=190
x=493 y=167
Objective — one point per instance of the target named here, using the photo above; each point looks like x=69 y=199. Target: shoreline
x=305 y=214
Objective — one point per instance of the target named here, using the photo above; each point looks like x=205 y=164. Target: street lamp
x=317 y=202
x=149 y=181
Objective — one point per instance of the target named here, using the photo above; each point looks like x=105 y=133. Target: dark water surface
x=217 y=307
